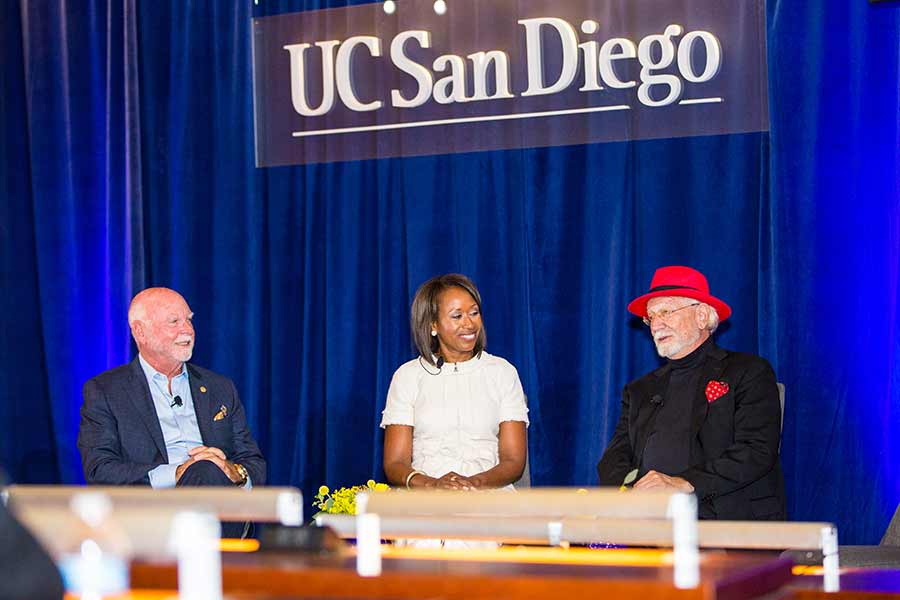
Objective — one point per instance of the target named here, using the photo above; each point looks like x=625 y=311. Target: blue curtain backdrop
x=126 y=160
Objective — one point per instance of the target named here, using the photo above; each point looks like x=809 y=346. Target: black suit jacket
x=120 y=438
x=737 y=473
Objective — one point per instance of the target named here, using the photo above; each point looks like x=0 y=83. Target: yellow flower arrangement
x=342 y=501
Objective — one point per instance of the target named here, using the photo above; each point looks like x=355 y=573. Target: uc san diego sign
x=357 y=83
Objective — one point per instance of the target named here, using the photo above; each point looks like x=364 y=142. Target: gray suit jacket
x=120 y=438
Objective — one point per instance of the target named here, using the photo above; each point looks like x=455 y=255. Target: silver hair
x=713 y=323
x=136 y=312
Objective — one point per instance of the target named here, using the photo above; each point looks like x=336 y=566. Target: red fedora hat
x=679 y=281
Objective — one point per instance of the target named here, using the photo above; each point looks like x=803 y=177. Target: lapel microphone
x=176 y=402
x=656 y=399
x=440 y=362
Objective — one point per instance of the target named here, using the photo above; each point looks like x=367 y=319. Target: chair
x=886 y=555
x=525 y=480
x=781 y=398
x=891 y=535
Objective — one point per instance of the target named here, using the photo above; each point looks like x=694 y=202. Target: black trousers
x=205 y=473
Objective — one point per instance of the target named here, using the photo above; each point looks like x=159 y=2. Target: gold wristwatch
x=242 y=471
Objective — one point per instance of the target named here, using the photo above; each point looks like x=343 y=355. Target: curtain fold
x=127 y=160
x=83 y=194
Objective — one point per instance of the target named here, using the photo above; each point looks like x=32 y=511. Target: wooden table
x=514 y=574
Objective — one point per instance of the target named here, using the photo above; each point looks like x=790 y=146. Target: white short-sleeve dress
x=455 y=412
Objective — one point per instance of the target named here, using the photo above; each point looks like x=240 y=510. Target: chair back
x=891 y=535
x=525 y=480
x=781 y=399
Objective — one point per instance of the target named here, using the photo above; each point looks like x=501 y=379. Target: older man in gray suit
x=161 y=421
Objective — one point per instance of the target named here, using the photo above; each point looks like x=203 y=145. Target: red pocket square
x=715 y=390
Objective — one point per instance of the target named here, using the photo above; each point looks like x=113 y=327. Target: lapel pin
x=203 y=389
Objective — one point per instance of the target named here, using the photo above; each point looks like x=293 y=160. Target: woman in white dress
x=455 y=416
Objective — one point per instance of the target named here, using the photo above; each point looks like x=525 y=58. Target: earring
x=433 y=333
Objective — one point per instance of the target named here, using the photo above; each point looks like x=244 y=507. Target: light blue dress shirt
x=178 y=423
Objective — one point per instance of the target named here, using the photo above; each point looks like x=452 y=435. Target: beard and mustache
x=176 y=349
x=676 y=342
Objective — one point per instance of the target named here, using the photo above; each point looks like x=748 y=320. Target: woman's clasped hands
x=455 y=481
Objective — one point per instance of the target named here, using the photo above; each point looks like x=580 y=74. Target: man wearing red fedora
x=709 y=420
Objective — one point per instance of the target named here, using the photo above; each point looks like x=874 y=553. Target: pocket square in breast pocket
x=223 y=412
x=714 y=390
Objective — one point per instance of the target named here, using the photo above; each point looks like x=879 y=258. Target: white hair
x=713 y=322
x=136 y=312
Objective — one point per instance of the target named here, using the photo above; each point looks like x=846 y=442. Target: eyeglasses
x=665 y=314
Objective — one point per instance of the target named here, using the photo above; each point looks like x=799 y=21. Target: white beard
x=675 y=344
x=174 y=352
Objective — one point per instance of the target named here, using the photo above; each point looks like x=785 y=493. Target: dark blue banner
x=358 y=83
